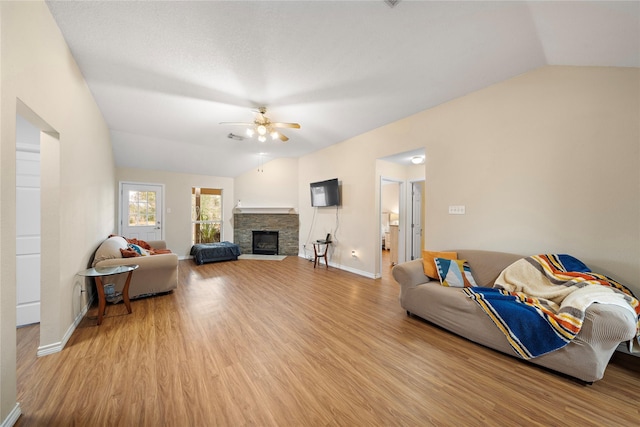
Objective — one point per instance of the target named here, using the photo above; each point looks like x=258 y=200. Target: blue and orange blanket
x=539 y=302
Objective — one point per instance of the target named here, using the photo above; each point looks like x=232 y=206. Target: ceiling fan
x=262 y=127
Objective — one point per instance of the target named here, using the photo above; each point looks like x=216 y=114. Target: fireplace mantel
x=264 y=210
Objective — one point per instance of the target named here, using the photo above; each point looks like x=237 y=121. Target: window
x=142 y=208
x=206 y=214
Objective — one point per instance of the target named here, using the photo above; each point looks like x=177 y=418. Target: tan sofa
x=585 y=357
x=156 y=274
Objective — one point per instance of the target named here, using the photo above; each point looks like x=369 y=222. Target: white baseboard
x=13 y=416
x=353 y=270
x=57 y=347
x=343 y=267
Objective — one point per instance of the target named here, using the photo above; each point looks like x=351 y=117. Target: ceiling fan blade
x=286 y=125
x=236 y=123
x=282 y=137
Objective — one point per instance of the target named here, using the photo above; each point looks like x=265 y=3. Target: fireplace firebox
x=265 y=242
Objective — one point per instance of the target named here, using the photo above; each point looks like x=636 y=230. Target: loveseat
x=156 y=273
x=585 y=357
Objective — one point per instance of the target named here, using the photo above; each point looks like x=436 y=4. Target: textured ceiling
x=164 y=74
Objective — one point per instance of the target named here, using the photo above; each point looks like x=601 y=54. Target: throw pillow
x=141 y=243
x=428 y=263
x=455 y=273
x=129 y=253
x=139 y=249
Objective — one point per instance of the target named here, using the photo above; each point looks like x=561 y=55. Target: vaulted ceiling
x=165 y=74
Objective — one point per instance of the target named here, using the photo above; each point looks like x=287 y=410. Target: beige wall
x=177 y=198
x=356 y=224
x=37 y=68
x=275 y=185
x=544 y=162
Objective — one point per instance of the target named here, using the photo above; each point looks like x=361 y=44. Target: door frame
x=121 y=185
x=410 y=209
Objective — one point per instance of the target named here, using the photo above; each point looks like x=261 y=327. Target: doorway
x=391 y=249
x=48 y=226
x=406 y=171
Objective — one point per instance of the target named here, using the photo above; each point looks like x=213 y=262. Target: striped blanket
x=539 y=302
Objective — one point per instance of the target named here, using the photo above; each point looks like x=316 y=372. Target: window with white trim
x=206 y=215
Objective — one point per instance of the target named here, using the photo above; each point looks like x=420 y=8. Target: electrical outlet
x=457 y=210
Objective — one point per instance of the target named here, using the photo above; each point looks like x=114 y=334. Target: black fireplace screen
x=265 y=242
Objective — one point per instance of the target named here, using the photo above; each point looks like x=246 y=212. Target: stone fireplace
x=246 y=221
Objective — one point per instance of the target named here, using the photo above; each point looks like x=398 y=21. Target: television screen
x=325 y=193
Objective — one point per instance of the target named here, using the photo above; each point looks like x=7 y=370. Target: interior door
x=141 y=211
x=416 y=220
x=28 y=235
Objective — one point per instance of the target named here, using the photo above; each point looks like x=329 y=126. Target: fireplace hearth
x=265 y=242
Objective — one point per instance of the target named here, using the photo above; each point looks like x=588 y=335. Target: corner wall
x=39 y=72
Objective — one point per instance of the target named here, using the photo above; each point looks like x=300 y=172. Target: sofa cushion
x=428 y=263
x=455 y=273
x=110 y=249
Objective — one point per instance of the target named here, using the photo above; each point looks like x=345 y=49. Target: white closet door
x=27 y=237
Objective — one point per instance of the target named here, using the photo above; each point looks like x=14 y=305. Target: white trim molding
x=13 y=416
x=57 y=347
x=264 y=210
x=342 y=267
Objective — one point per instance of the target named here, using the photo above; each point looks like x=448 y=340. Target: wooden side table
x=98 y=273
x=319 y=253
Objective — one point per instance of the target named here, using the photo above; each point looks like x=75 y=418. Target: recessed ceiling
x=165 y=74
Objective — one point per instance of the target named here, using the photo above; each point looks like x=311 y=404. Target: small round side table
x=98 y=273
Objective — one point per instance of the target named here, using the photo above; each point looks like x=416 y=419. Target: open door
x=417 y=190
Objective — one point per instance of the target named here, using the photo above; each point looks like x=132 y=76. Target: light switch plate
x=457 y=210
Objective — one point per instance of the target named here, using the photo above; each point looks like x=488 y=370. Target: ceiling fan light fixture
x=262 y=127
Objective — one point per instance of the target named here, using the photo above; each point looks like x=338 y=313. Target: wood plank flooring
x=279 y=343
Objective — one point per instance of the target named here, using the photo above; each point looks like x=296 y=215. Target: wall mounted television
x=325 y=193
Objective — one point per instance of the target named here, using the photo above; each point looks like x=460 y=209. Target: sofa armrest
x=410 y=274
x=607 y=325
x=157 y=244
x=169 y=261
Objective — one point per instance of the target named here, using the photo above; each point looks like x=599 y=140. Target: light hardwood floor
x=271 y=343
